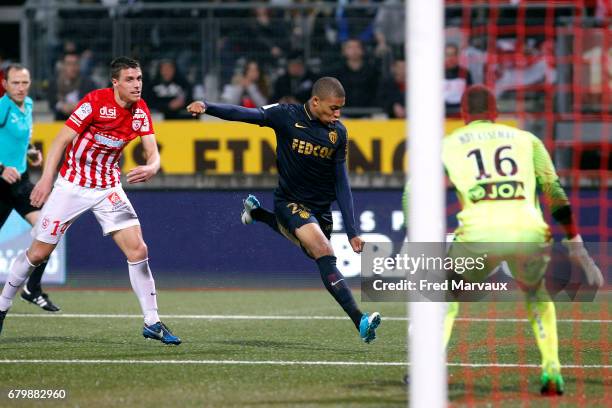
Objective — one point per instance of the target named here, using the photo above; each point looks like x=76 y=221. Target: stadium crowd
x=273 y=53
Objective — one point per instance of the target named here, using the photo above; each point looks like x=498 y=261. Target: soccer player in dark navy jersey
x=311 y=161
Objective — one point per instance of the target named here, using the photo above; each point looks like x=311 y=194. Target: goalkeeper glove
x=579 y=255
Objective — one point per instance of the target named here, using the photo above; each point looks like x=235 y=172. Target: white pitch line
x=500 y=365
x=212 y=362
x=283 y=363
x=277 y=317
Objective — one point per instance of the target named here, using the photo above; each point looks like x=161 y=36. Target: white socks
x=21 y=269
x=140 y=278
x=144 y=287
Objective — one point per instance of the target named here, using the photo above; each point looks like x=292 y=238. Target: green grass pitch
x=317 y=362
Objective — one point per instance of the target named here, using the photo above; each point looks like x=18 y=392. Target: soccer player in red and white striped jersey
x=103 y=129
x=92 y=140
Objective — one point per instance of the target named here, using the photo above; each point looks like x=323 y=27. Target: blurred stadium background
x=549 y=62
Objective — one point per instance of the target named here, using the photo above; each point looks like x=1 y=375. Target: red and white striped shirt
x=104 y=128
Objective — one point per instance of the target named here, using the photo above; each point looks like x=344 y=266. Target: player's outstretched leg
x=336 y=285
x=253 y=211
x=543 y=319
x=20 y=270
x=33 y=293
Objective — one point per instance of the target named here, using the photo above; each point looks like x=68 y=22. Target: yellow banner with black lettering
x=217 y=147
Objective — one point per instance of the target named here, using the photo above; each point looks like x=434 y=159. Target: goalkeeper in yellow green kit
x=495 y=170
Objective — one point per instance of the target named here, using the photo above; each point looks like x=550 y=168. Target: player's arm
x=548 y=180
x=224 y=111
x=344 y=197
x=143 y=173
x=43 y=187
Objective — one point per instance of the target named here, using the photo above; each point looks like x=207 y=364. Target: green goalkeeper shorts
x=525 y=252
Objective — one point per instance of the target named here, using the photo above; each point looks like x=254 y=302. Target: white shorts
x=67 y=201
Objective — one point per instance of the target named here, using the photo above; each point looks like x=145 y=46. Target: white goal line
x=276 y=317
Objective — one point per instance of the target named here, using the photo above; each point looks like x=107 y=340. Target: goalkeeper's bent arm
x=548 y=180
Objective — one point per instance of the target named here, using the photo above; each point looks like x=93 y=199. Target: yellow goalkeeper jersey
x=495 y=169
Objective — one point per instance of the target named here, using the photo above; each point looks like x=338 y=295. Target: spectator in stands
x=268 y=38
x=389 y=26
x=169 y=91
x=295 y=84
x=249 y=88
x=534 y=68
x=456 y=80
x=474 y=58
x=392 y=93
x=323 y=33
x=389 y=34
x=69 y=87
x=300 y=25
x=87 y=62
x=360 y=79
x=356 y=22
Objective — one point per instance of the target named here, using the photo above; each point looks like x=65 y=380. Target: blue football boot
x=368 y=325
x=161 y=332
x=250 y=203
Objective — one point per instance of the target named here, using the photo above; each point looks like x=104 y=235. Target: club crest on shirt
x=140 y=121
x=45 y=223
x=333 y=136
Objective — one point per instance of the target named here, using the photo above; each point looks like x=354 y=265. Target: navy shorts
x=16 y=197
x=291 y=216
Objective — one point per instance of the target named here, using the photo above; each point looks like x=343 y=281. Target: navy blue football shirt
x=306 y=154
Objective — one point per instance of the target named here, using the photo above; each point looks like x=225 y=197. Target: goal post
x=426 y=223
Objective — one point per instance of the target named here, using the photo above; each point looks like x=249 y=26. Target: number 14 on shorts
x=56 y=225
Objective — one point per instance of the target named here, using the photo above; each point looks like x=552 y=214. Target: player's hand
x=35 y=157
x=10 y=175
x=196 y=108
x=357 y=244
x=579 y=255
x=140 y=174
x=41 y=192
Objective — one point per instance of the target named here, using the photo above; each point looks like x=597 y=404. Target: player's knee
x=141 y=251
x=320 y=249
x=37 y=255
x=138 y=252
